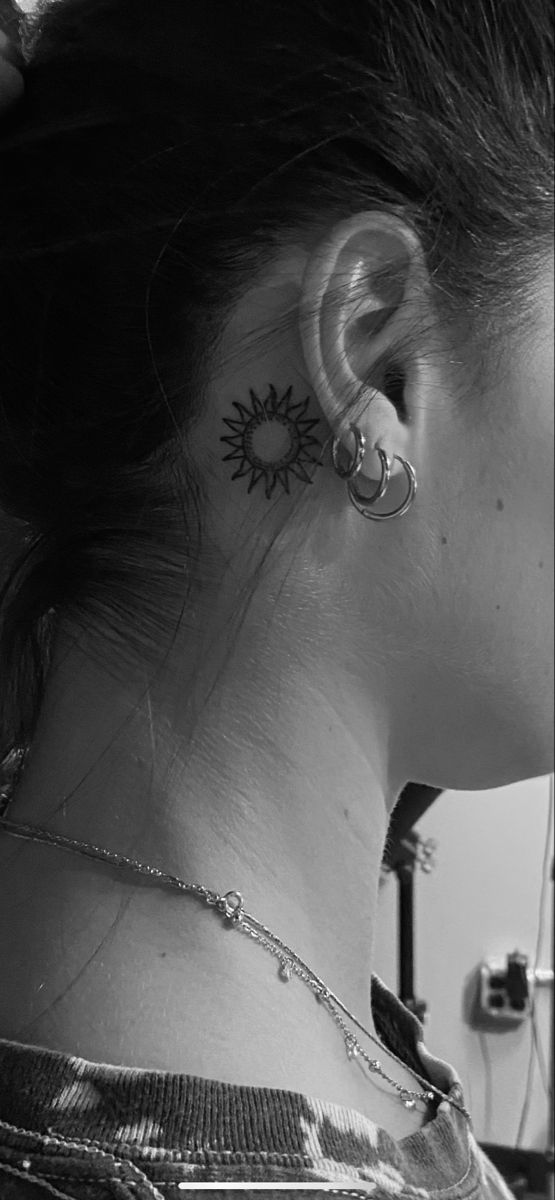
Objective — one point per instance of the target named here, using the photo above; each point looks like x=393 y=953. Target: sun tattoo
x=272 y=439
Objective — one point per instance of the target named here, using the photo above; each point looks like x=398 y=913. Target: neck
x=273 y=787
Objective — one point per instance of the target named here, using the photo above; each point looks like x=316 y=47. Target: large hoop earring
x=362 y=503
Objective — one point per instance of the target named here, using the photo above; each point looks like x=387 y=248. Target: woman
x=276 y=297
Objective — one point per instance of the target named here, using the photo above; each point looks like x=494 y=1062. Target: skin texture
x=371 y=654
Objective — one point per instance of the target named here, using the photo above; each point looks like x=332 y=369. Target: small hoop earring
x=356 y=463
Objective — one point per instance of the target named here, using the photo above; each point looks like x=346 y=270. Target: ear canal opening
x=394 y=389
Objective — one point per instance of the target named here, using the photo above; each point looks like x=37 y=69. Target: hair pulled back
x=160 y=154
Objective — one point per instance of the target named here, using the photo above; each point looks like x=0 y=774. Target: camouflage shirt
x=76 y=1129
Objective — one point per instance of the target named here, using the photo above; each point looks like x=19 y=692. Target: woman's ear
x=360 y=292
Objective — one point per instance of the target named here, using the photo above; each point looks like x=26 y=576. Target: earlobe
x=355 y=300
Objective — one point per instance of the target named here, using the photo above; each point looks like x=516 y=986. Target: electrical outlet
x=504 y=993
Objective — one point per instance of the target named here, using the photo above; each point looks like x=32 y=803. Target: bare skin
x=268 y=758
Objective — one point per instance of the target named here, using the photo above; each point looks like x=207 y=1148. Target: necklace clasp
x=233 y=912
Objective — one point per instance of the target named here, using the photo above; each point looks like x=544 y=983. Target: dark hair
x=161 y=155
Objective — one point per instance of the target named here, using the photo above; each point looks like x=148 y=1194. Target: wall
x=481 y=900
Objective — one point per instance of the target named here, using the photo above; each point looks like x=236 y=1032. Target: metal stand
x=410 y=853
x=550 y=1149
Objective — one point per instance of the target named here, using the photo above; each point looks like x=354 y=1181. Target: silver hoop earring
x=356 y=464
x=363 y=503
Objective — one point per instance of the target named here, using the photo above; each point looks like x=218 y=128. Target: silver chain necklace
x=230 y=906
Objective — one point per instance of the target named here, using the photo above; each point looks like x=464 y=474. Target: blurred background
x=467 y=880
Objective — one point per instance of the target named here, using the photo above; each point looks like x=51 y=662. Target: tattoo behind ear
x=271 y=439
